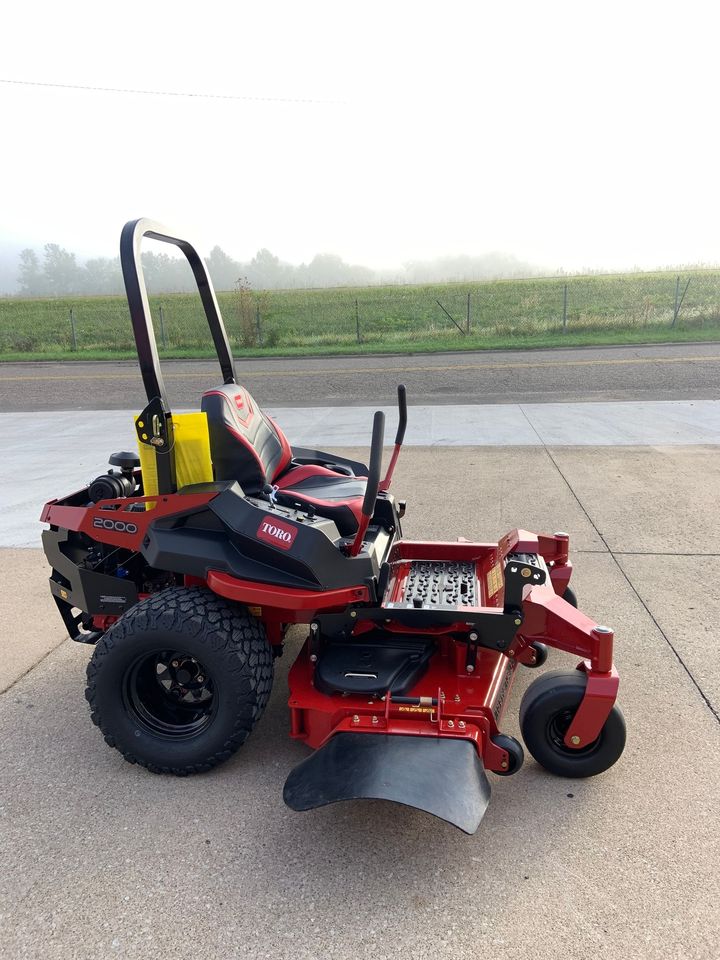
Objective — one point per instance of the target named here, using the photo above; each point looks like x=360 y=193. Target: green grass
x=622 y=308
x=613 y=336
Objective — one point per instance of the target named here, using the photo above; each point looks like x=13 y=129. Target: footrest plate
x=372 y=664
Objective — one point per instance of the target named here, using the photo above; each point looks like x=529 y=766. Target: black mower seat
x=248 y=446
x=333 y=495
x=245 y=444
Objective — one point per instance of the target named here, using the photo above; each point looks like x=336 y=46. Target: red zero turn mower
x=186 y=566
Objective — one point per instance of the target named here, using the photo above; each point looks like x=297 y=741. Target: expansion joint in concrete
x=615 y=555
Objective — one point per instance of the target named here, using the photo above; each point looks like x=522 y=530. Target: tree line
x=57 y=272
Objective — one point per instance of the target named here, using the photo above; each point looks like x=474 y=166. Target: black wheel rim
x=170 y=694
x=558 y=726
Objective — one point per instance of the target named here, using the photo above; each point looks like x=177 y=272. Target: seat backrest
x=246 y=445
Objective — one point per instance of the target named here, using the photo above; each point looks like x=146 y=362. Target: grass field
x=599 y=309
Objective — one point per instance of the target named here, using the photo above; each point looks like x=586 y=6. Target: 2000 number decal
x=119 y=526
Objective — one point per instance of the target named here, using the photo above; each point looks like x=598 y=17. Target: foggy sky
x=570 y=135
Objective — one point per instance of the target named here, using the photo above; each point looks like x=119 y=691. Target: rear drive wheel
x=179 y=682
x=546 y=712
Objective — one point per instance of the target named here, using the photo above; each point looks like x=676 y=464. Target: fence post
x=679 y=300
x=162 y=327
x=257 y=324
x=72 y=329
x=357 y=322
x=564 y=308
x=468 y=313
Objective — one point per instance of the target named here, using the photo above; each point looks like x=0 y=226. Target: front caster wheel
x=546 y=712
x=571 y=597
x=179 y=682
x=515 y=752
x=541 y=655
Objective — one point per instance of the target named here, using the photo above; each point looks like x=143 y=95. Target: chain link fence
x=461 y=313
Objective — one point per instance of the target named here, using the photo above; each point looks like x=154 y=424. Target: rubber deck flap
x=440 y=775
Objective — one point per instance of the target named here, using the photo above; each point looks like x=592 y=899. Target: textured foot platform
x=435 y=583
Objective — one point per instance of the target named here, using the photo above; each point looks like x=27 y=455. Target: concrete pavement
x=103 y=859
x=75 y=445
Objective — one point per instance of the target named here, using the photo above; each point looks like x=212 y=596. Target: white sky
x=571 y=134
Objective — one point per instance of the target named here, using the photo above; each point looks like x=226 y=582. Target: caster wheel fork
x=515 y=752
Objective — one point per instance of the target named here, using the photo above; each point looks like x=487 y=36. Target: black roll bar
x=130 y=242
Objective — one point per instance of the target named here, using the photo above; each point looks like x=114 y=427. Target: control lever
x=399 y=436
x=373 y=484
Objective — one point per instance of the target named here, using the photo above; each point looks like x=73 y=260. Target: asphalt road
x=663 y=372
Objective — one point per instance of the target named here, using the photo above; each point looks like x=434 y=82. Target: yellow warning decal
x=415 y=709
x=494 y=580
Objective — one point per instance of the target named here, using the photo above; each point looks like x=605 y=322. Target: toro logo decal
x=279 y=534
